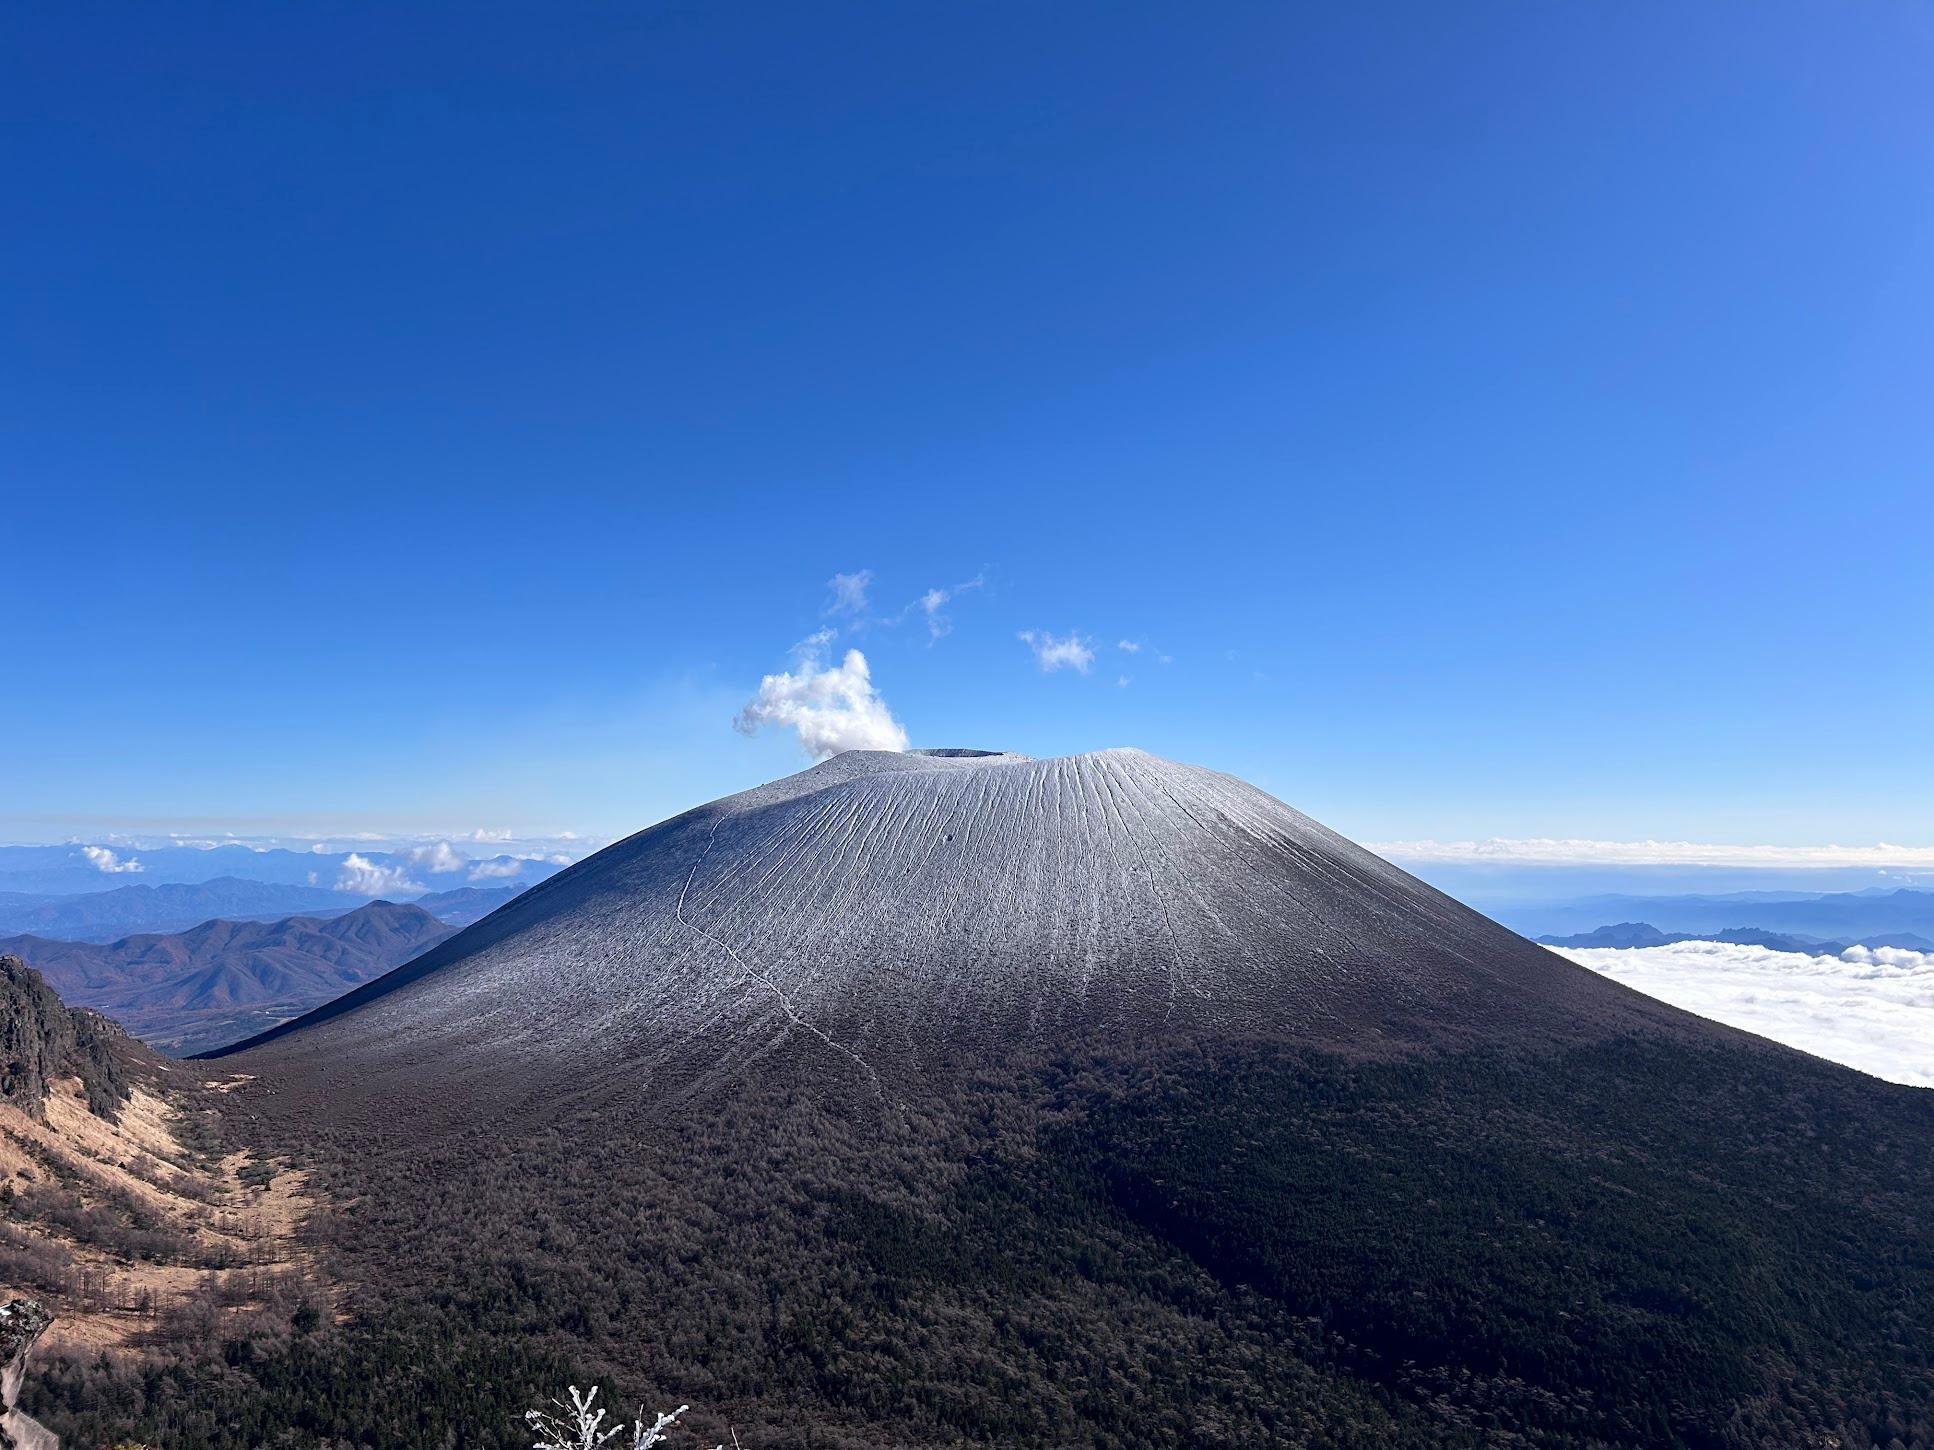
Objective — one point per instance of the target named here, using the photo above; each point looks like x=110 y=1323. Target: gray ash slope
x=886 y=912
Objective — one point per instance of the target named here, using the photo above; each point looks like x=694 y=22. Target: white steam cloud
x=1052 y=653
x=1870 y=1007
x=102 y=859
x=833 y=708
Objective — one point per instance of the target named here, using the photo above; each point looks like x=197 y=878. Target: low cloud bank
x=1550 y=852
x=1871 y=1007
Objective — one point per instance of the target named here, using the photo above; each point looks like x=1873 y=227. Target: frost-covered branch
x=578 y=1424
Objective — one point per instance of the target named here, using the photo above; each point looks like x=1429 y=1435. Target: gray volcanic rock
x=36 y=1037
x=22 y=1322
x=42 y=1039
x=890 y=912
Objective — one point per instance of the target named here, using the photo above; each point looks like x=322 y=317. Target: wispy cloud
x=1129 y=646
x=1053 y=652
x=832 y=707
x=115 y=851
x=934 y=601
x=102 y=859
x=1543 y=851
x=846 y=593
x=369 y=878
x=1870 y=1007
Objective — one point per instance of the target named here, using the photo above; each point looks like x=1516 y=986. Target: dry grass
x=191 y=1222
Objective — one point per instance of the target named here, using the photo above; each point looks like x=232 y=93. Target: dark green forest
x=1638 y=1243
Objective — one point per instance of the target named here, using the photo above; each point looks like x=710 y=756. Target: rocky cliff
x=22 y=1322
x=42 y=1039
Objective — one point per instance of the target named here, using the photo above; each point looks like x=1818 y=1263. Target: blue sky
x=1508 y=420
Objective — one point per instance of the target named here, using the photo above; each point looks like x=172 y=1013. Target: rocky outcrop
x=22 y=1322
x=41 y=1039
x=36 y=1035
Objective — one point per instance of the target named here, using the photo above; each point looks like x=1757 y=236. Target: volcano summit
x=888 y=913
x=961 y=1098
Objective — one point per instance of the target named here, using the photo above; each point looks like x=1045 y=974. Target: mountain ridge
x=219 y=979
x=1828 y=916
x=168 y=907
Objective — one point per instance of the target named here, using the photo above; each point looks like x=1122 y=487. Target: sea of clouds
x=1870 y=1007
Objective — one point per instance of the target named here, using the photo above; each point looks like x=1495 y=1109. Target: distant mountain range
x=466 y=904
x=106 y=915
x=1845 y=916
x=225 y=979
x=1627 y=934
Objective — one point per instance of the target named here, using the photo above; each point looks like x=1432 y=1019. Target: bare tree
x=578 y=1424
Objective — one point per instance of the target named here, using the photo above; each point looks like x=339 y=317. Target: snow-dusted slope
x=887 y=913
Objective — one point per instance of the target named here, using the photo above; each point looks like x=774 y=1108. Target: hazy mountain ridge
x=465 y=904
x=1863 y=916
x=106 y=915
x=1628 y=934
x=223 y=979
